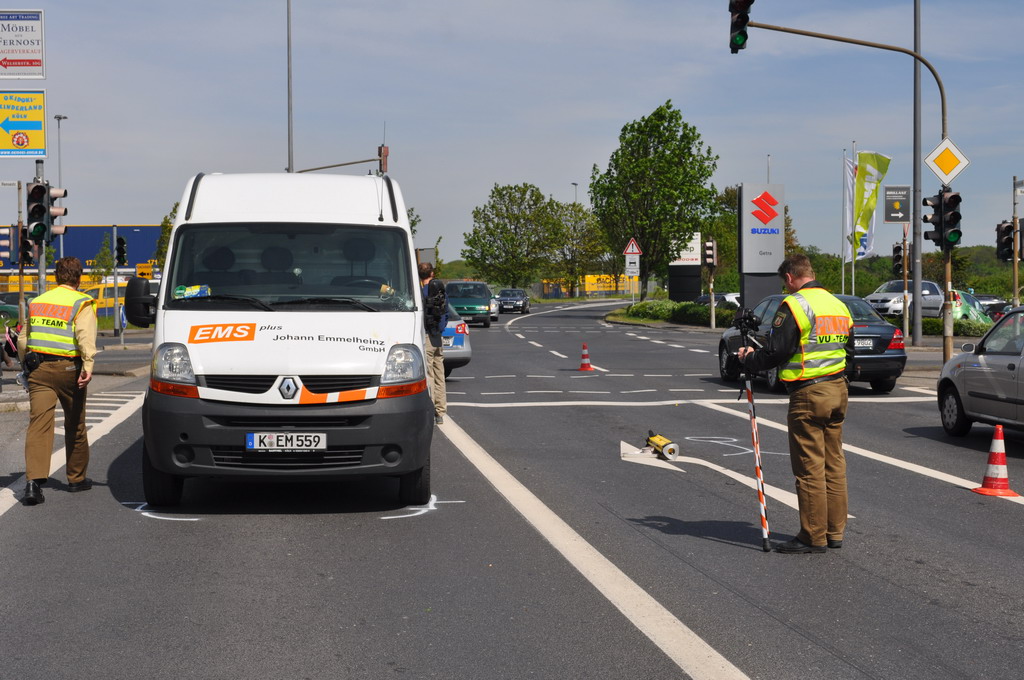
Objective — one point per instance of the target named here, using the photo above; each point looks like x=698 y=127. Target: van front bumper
x=202 y=438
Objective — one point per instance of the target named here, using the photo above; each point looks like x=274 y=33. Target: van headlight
x=171 y=363
x=404 y=364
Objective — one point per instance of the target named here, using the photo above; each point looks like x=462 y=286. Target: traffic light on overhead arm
x=897 y=261
x=122 y=252
x=740 y=17
x=935 y=219
x=1004 y=241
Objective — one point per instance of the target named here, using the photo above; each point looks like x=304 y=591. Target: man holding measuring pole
x=811 y=342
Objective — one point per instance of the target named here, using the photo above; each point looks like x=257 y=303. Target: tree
x=510 y=239
x=103 y=261
x=165 y=235
x=577 y=243
x=656 y=189
x=414 y=219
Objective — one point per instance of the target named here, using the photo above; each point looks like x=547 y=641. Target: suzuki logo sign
x=765 y=202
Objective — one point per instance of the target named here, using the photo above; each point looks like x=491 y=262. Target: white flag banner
x=867 y=180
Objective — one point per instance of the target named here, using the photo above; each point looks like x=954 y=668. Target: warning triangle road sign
x=632 y=248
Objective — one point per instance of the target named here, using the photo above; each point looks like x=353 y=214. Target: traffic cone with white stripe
x=997 y=482
x=585 y=362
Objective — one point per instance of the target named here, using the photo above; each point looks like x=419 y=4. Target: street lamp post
x=575 y=194
x=60 y=174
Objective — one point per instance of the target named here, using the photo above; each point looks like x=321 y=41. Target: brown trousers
x=56 y=381
x=435 y=373
x=816 y=415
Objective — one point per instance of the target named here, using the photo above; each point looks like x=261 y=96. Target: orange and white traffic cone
x=585 y=362
x=997 y=482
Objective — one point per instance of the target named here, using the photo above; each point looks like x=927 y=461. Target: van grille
x=333 y=457
x=258 y=384
x=272 y=421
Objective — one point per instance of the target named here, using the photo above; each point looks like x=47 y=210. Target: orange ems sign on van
x=222 y=332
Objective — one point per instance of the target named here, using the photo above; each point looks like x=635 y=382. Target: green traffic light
x=739 y=40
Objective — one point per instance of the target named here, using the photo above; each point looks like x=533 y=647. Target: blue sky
x=474 y=93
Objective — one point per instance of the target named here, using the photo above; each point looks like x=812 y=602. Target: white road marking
x=492 y=394
x=140 y=507
x=535 y=344
x=560 y=356
x=684 y=647
x=59 y=457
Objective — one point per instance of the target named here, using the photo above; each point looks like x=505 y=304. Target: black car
x=513 y=300
x=879 y=356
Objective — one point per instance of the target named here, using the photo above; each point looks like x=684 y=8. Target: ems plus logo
x=764 y=202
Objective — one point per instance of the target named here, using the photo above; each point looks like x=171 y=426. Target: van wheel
x=727 y=370
x=160 y=488
x=414 y=488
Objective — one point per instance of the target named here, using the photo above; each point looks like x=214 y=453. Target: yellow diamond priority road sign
x=946 y=161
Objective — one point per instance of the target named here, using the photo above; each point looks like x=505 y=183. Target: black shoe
x=796 y=546
x=83 y=485
x=33 y=494
x=833 y=543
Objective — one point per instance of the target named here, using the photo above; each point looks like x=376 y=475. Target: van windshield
x=290 y=267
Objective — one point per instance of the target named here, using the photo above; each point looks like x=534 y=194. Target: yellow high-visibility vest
x=52 y=321
x=825 y=326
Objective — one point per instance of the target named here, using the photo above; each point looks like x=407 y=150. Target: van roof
x=293 y=197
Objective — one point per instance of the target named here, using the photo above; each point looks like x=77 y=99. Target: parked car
x=982 y=383
x=991 y=303
x=494 y=308
x=720 y=298
x=472 y=300
x=455 y=343
x=513 y=300
x=888 y=298
x=11 y=297
x=8 y=312
x=879 y=355
x=967 y=306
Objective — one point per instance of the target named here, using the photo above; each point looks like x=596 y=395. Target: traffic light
x=710 y=256
x=26 y=257
x=1004 y=241
x=5 y=244
x=951 y=233
x=935 y=219
x=122 y=252
x=897 y=261
x=38 y=212
x=740 y=11
x=56 y=211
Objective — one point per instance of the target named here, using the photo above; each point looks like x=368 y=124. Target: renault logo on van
x=288 y=388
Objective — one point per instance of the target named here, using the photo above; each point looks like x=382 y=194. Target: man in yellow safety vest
x=811 y=343
x=57 y=347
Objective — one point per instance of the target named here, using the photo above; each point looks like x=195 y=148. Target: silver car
x=984 y=383
x=888 y=298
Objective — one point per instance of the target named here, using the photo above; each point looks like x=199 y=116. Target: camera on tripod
x=746 y=321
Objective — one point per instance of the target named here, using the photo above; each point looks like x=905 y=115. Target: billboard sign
x=21 y=44
x=762 y=237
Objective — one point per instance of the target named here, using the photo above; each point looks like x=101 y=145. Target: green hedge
x=692 y=314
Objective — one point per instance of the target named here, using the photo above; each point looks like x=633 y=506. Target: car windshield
x=290 y=267
x=467 y=290
x=510 y=292
x=892 y=287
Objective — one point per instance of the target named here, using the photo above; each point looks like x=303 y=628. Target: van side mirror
x=139 y=305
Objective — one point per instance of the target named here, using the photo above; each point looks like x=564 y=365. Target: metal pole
x=842 y=229
x=915 y=203
x=291 y=160
x=117 y=301
x=1016 y=247
x=41 y=264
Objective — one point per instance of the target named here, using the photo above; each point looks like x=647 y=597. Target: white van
x=288 y=336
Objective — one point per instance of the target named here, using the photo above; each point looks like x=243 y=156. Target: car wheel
x=728 y=370
x=526 y=310
x=774 y=383
x=487 y=324
x=4 y=315
x=883 y=386
x=160 y=488
x=414 y=488
x=951 y=412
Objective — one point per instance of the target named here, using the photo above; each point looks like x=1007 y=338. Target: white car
x=984 y=382
x=888 y=298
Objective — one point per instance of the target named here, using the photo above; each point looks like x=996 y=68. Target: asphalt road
x=547 y=552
